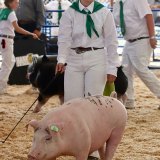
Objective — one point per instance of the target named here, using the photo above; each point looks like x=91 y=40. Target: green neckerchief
x=122 y=21
x=4 y=13
x=89 y=21
x=59 y=13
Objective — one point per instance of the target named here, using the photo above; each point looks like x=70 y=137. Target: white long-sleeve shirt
x=72 y=34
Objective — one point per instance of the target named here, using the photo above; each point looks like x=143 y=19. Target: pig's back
x=101 y=111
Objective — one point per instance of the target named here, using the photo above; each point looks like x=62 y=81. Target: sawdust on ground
x=141 y=140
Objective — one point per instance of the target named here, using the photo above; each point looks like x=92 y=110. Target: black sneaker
x=92 y=158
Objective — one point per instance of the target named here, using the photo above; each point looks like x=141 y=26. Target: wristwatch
x=153 y=37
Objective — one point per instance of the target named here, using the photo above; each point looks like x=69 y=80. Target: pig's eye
x=48 y=138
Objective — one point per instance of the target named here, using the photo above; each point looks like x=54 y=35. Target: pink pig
x=78 y=128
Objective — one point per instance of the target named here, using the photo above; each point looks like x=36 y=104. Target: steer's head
x=45 y=145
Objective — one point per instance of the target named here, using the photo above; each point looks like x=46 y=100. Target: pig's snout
x=31 y=157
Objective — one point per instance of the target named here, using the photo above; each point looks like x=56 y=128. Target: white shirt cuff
x=112 y=71
x=61 y=60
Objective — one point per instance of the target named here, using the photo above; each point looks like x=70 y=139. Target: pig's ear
x=32 y=123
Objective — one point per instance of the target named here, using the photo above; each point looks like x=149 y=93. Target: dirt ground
x=141 y=140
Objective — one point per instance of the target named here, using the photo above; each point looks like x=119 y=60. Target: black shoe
x=92 y=158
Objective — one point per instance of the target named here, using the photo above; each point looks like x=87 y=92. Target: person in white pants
x=8 y=22
x=136 y=22
x=88 y=44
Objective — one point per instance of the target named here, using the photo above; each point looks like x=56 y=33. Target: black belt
x=6 y=36
x=137 y=39
x=80 y=50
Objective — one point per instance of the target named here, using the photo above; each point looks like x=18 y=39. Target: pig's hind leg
x=113 y=142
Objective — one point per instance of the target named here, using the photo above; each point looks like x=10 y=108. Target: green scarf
x=89 y=21
x=122 y=21
x=4 y=13
x=59 y=13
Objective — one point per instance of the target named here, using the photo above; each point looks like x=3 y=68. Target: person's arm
x=144 y=11
x=151 y=30
x=13 y=20
x=64 y=40
x=111 y=44
x=22 y=31
x=40 y=15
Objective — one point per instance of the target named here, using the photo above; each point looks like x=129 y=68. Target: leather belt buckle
x=132 y=40
x=78 y=51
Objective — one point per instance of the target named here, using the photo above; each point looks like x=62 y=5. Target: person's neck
x=85 y=3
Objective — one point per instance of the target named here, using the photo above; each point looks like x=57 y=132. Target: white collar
x=90 y=7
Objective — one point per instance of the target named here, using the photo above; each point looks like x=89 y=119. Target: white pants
x=85 y=74
x=8 y=61
x=136 y=58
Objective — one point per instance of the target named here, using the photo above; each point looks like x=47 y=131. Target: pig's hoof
x=92 y=158
x=36 y=109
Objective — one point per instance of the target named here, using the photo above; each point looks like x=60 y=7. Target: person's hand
x=60 y=68
x=111 y=78
x=35 y=36
x=37 y=32
x=153 y=43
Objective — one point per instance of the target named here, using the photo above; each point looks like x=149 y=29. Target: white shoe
x=129 y=104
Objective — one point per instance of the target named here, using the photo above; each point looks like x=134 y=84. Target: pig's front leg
x=102 y=152
x=113 y=142
x=82 y=157
x=41 y=101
